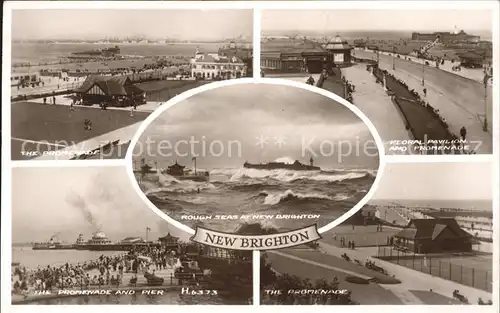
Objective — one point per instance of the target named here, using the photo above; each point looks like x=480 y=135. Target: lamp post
x=485 y=123
x=423 y=72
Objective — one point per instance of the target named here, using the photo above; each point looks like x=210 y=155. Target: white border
x=257 y=5
x=243 y=81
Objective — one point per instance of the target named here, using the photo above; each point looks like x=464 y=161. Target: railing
x=437 y=265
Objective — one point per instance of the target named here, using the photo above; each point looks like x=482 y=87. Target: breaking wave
x=289 y=196
x=284 y=175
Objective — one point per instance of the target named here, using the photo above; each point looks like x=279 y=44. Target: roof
x=271 y=54
x=290 y=45
x=432 y=228
x=208 y=58
x=338 y=44
x=176 y=165
x=110 y=85
x=167 y=237
x=241 y=53
x=470 y=56
x=132 y=239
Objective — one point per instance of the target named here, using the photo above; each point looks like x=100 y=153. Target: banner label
x=256 y=242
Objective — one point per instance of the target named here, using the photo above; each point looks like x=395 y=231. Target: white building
x=215 y=66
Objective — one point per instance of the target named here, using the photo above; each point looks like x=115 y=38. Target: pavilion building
x=287 y=55
x=213 y=66
x=114 y=90
x=340 y=51
x=435 y=235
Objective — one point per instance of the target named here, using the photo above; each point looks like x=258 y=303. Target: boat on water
x=295 y=166
x=100 y=242
x=179 y=172
x=98 y=52
x=52 y=244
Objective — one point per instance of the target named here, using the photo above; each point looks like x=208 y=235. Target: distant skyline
x=70 y=201
x=97 y=24
x=435 y=181
x=377 y=20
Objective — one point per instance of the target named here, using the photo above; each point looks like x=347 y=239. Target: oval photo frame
x=271 y=81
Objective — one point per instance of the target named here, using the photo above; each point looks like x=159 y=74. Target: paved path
x=124 y=134
x=411 y=279
x=406 y=296
x=461 y=101
x=373 y=101
x=298 y=78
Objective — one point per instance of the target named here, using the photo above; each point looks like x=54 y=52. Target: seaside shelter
x=294 y=55
x=114 y=90
x=340 y=51
x=169 y=241
x=471 y=60
x=435 y=235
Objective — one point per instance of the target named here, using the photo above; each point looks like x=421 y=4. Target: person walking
x=463 y=132
x=425 y=92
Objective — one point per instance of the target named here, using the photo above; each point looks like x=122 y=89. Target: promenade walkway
x=461 y=101
x=456 y=115
x=124 y=135
x=167 y=274
x=299 y=77
x=411 y=279
x=287 y=262
x=374 y=102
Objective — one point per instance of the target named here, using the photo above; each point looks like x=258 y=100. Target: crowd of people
x=336 y=74
x=110 y=271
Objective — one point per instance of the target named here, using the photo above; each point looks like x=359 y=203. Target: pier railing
x=447 y=267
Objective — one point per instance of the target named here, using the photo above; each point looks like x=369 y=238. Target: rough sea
x=267 y=196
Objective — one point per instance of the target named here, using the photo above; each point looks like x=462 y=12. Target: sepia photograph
x=427 y=241
x=282 y=159
x=423 y=77
x=82 y=81
x=82 y=235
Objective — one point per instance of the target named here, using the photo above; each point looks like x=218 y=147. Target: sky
x=436 y=181
x=97 y=24
x=373 y=20
x=78 y=200
x=294 y=122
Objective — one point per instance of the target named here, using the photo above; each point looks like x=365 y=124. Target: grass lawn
x=164 y=90
x=363 y=294
x=341 y=263
x=56 y=123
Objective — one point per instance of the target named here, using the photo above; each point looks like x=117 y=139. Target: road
x=460 y=100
